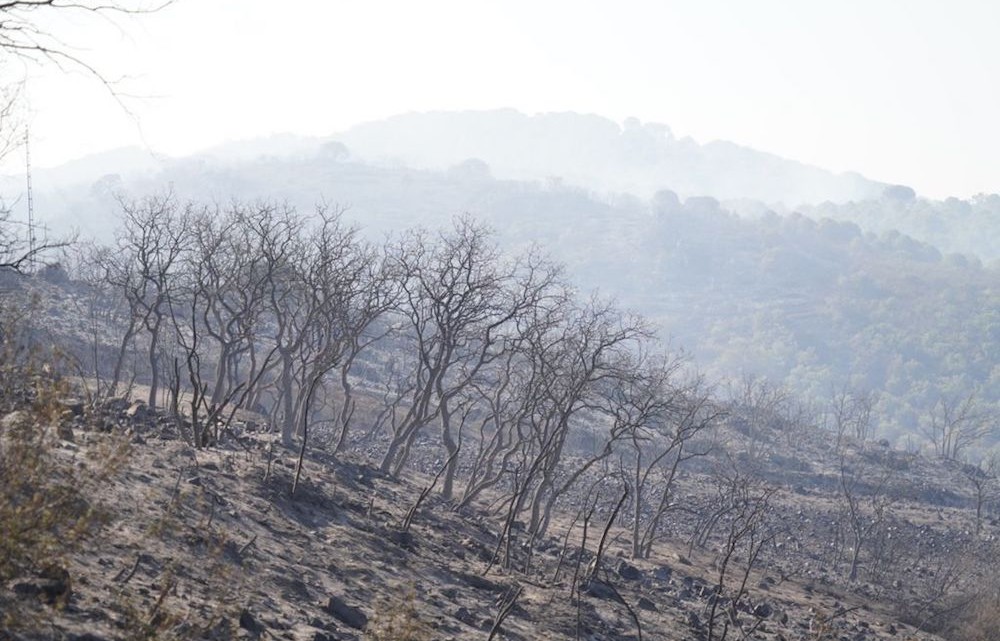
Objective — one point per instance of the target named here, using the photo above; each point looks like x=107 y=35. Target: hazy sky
x=903 y=91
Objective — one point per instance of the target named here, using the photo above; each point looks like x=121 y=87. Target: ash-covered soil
x=211 y=544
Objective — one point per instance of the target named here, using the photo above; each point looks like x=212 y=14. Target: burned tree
x=460 y=306
x=756 y=405
x=865 y=504
x=144 y=269
x=511 y=396
x=591 y=349
x=746 y=530
x=954 y=424
x=670 y=419
x=851 y=413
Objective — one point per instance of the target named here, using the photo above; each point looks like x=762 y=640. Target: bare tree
x=676 y=415
x=376 y=292
x=143 y=267
x=293 y=311
x=865 y=502
x=336 y=275
x=756 y=405
x=571 y=361
x=23 y=35
x=461 y=303
x=851 y=413
x=746 y=531
x=956 y=423
x=983 y=478
x=512 y=396
x=569 y=355
x=232 y=284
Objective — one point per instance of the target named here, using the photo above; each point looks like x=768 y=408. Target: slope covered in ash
x=209 y=543
x=117 y=527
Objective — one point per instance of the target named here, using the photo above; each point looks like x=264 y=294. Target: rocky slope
x=210 y=543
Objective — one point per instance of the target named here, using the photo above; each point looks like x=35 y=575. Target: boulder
x=629 y=572
x=347 y=614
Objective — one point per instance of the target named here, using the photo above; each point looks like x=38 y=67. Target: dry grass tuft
x=46 y=509
x=398 y=620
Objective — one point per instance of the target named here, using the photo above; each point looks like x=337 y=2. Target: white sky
x=904 y=91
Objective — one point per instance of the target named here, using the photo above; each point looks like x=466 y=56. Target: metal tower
x=31 y=199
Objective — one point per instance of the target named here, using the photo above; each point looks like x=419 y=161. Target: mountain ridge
x=595 y=152
x=584 y=150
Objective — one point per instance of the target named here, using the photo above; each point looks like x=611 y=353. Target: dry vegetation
x=119 y=525
x=248 y=423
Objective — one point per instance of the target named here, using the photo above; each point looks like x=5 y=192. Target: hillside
x=279 y=365
x=598 y=154
x=812 y=303
x=968 y=227
x=208 y=544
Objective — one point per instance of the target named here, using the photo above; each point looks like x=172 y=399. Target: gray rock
x=663 y=573
x=137 y=411
x=73 y=405
x=348 y=615
x=601 y=590
x=467 y=617
x=478 y=582
x=16 y=420
x=629 y=572
x=251 y=624
x=65 y=431
x=116 y=404
x=52 y=587
x=694 y=620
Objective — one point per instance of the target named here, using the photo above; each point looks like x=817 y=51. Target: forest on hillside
x=956 y=227
x=815 y=303
x=468 y=389
x=484 y=374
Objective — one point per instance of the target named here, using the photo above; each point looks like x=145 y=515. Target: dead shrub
x=46 y=485
x=980 y=619
x=398 y=620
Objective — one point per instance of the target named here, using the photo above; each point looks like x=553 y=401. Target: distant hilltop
x=586 y=151
x=596 y=153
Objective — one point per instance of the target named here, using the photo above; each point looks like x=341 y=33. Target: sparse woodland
x=589 y=465
x=248 y=421
x=811 y=302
